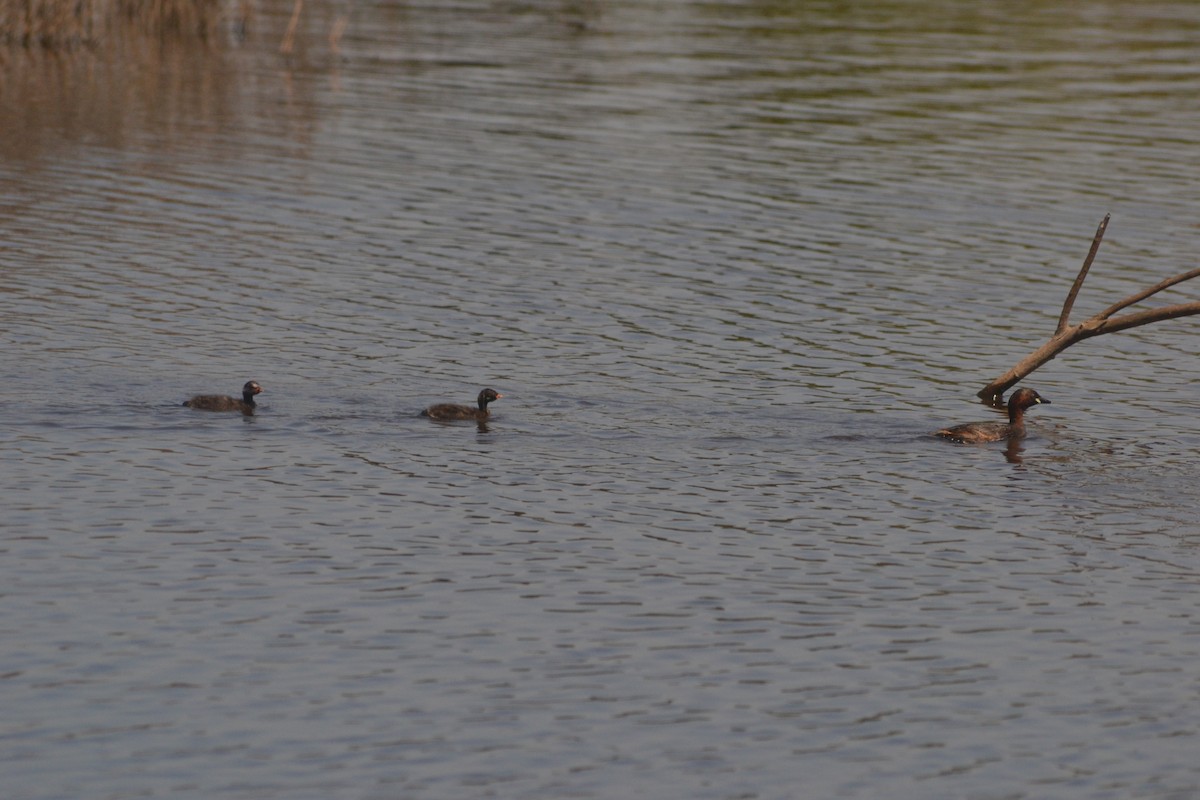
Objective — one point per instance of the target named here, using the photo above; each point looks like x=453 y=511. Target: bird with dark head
x=450 y=411
x=220 y=402
x=974 y=432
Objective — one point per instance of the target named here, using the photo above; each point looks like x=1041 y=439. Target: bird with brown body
x=450 y=411
x=220 y=402
x=974 y=432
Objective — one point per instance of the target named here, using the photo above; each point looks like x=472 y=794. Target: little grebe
x=452 y=411
x=220 y=402
x=974 y=432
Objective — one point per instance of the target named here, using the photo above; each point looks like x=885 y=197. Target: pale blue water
x=729 y=264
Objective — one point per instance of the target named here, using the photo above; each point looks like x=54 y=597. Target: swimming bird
x=220 y=402
x=445 y=411
x=974 y=432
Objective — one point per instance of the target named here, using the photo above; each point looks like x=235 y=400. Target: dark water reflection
x=730 y=265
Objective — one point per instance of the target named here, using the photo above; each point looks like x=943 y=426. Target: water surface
x=729 y=263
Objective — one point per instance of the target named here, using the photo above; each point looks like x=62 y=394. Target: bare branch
x=994 y=392
x=1066 y=335
x=1065 y=317
x=1142 y=295
x=1140 y=318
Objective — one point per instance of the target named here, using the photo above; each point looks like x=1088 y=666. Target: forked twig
x=1066 y=334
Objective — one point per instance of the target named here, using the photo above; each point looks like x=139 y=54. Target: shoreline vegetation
x=62 y=24
x=158 y=75
x=65 y=24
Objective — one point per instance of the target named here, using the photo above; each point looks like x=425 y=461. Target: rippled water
x=729 y=263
